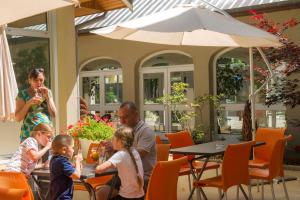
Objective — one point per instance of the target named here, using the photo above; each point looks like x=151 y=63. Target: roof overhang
x=88 y=7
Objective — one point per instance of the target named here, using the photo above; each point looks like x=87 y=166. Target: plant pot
x=85 y=146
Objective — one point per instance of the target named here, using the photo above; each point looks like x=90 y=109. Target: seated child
x=28 y=154
x=130 y=169
x=61 y=169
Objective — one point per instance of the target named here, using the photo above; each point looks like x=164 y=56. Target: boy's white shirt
x=127 y=173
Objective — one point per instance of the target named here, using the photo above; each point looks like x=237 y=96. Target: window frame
x=102 y=107
x=240 y=106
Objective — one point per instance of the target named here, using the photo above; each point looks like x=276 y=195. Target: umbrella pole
x=252 y=96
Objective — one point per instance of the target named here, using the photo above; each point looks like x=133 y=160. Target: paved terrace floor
x=293 y=188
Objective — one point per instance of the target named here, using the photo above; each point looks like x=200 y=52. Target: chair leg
x=285 y=190
x=189 y=179
x=225 y=195
x=220 y=193
x=257 y=184
x=237 y=192
x=219 y=190
x=199 y=194
x=272 y=189
x=262 y=189
x=249 y=191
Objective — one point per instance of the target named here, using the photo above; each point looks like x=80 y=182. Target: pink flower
x=253 y=12
x=70 y=126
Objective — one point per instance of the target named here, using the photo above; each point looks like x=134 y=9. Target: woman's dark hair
x=33 y=74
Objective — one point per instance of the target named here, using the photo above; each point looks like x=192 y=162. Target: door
x=156 y=82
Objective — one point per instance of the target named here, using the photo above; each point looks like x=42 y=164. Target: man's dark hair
x=130 y=105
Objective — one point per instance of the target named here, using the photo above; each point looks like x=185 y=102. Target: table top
x=88 y=171
x=209 y=148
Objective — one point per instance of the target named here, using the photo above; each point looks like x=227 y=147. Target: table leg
x=197 y=177
x=243 y=191
x=36 y=181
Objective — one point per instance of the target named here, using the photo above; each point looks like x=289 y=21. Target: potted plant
x=91 y=129
x=178 y=97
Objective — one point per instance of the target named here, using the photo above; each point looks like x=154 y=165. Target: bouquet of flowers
x=91 y=129
x=96 y=129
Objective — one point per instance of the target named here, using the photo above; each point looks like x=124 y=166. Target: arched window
x=157 y=74
x=101 y=85
x=232 y=79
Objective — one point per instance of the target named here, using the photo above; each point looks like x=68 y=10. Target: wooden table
x=88 y=171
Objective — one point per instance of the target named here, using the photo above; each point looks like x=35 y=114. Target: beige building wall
x=131 y=54
x=66 y=90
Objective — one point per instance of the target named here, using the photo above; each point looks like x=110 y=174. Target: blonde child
x=62 y=171
x=28 y=154
x=129 y=165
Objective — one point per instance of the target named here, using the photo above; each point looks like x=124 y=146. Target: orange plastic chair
x=11 y=193
x=234 y=169
x=158 y=140
x=96 y=181
x=162 y=152
x=183 y=139
x=262 y=154
x=16 y=180
x=163 y=180
x=275 y=167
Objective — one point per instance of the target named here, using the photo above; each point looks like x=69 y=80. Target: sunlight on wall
x=9 y=134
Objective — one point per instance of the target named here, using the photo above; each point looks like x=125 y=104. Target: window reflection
x=27 y=53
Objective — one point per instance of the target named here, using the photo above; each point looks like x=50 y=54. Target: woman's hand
x=44 y=91
x=34 y=101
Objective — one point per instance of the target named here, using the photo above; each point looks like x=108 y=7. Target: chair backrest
x=93 y=153
x=163 y=180
x=235 y=164
x=270 y=136
x=180 y=139
x=162 y=152
x=158 y=140
x=277 y=155
x=16 y=180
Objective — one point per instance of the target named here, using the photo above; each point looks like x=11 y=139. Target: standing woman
x=34 y=103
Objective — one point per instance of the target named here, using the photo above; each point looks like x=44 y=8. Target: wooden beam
x=95 y=6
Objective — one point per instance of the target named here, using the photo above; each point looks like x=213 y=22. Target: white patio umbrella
x=195 y=26
x=11 y=11
x=8 y=84
x=190 y=26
